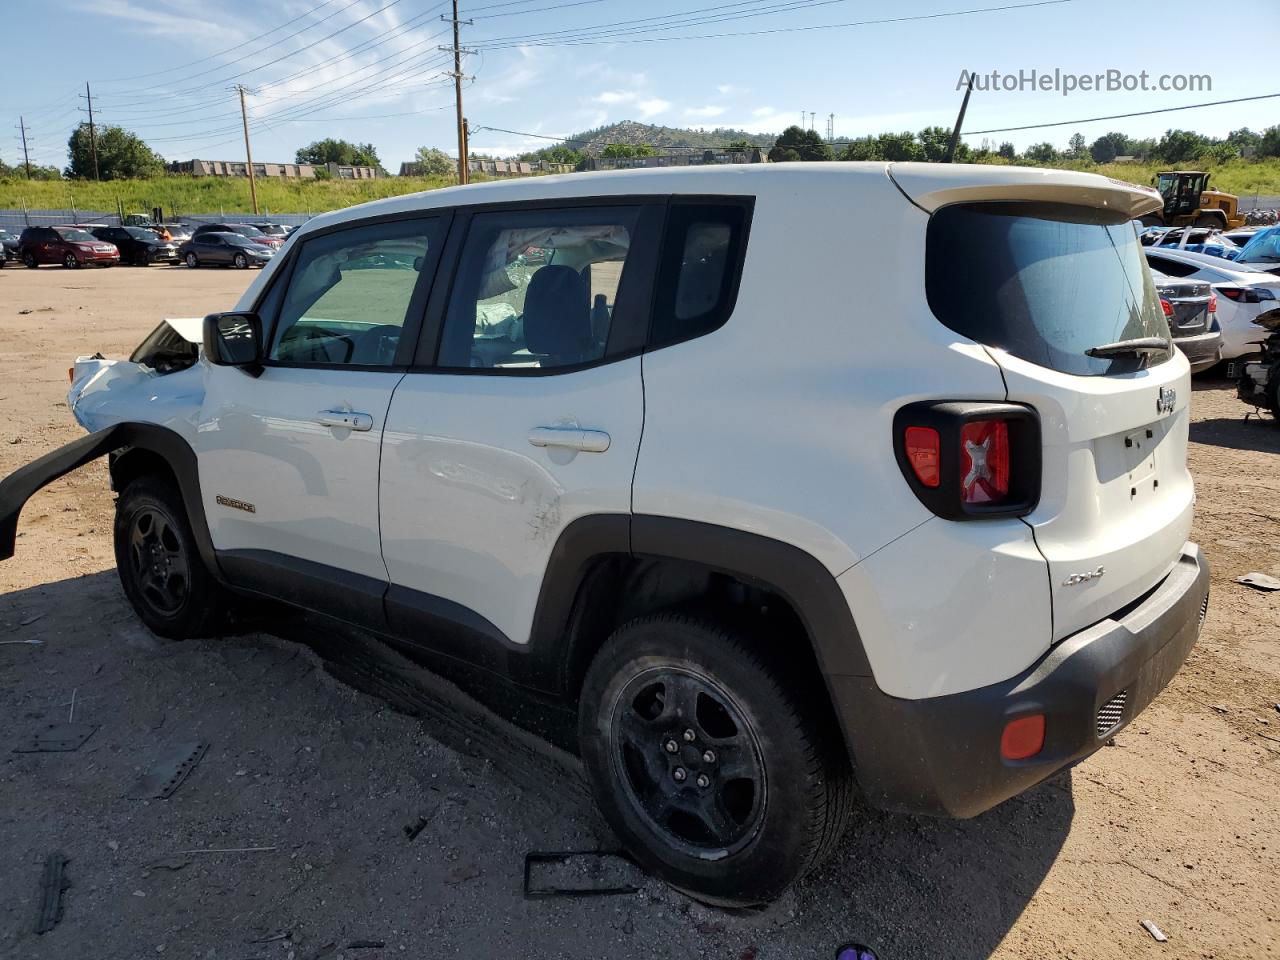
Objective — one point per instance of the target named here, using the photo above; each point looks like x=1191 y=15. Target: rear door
x=1039 y=284
x=524 y=413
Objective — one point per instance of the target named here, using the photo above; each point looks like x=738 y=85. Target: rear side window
x=1045 y=282
x=538 y=290
x=702 y=266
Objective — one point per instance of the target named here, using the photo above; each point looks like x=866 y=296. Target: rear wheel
x=712 y=772
x=1210 y=220
x=159 y=563
x=192 y=260
x=29 y=259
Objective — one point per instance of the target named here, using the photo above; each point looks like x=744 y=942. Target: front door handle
x=570 y=438
x=345 y=420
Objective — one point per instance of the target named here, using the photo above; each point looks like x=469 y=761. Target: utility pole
x=93 y=134
x=26 y=157
x=457 y=52
x=831 y=127
x=248 y=152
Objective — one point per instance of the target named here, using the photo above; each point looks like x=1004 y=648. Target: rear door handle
x=345 y=420
x=570 y=438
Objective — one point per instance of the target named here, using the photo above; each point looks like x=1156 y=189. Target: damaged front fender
x=17 y=488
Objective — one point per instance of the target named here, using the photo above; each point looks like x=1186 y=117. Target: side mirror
x=234 y=340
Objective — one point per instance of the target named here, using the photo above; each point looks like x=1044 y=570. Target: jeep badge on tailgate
x=1165 y=401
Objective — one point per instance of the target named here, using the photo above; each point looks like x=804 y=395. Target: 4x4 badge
x=1166 y=400
x=1085 y=577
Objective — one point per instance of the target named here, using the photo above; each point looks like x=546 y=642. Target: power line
x=590 y=39
x=1122 y=116
x=244 y=43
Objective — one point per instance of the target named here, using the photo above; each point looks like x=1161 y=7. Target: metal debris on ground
x=411 y=830
x=1156 y=933
x=52 y=884
x=57 y=738
x=580 y=873
x=366 y=944
x=32 y=641
x=272 y=938
x=30 y=620
x=1259 y=581
x=232 y=850
x=170 y=771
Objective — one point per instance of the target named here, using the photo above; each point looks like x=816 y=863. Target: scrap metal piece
x=52 y=884
x=1259 y=581
x=1156 y=933
x=57 y=738
x=170 y=771
x=565 y=857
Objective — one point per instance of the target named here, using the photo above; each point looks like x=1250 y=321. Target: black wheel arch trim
x=119 y=440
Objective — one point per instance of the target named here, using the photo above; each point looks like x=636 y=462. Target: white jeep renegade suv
x=779 y=506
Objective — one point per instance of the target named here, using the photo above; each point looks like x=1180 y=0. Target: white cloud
x=729 y=90
x=164 y=24
x=707 y=111
x=763 y=112
x=613 y=97
x=653 y=107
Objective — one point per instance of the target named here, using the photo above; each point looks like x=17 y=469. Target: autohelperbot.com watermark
x=1066 y=82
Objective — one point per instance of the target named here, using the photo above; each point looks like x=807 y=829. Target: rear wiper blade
x=1134 y=346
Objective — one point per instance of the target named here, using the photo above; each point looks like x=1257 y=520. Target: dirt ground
x=319 y=757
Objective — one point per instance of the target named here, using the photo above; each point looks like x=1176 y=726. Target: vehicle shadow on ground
x=908 y=887
x=1256 y=433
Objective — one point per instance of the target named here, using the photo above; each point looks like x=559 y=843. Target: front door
x=289 y=459
x=529 y=419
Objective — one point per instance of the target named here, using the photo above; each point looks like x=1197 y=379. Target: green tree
x=343 y=152
x=1269 y=142
x=624 y=151
x=121 y=155
x=1040 y=155
x=1076 y=146
x=864 y=148
x=805 y=144
x=936 y=141
x=900 y=147
x=1109 y=146
x=434 y=162
x=1244 y=139
x=1008 y=151
x=738 y=146
x=1179 y=146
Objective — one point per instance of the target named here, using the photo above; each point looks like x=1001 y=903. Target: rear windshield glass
x=1044 y=282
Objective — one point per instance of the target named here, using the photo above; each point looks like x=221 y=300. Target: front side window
x=350 y=292
x=536 y=290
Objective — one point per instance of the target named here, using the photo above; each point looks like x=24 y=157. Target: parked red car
x=69 y=246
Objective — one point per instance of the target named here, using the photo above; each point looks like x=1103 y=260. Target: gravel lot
x=318 y=754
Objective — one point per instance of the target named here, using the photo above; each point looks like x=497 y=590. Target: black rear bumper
x=941 y=755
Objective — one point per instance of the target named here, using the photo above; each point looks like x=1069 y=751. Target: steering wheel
x=377 y=345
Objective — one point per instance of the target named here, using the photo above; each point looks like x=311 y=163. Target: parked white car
x=639 y=441
x=1244 y=293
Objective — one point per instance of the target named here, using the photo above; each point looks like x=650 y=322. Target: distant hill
x=664 y=138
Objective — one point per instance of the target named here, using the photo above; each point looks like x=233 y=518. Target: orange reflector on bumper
x=1023 y=737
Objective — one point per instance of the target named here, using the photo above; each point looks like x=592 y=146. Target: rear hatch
x=1189 y=302
x=1039 y=267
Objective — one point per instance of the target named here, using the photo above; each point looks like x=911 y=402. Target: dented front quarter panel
x=106 y=392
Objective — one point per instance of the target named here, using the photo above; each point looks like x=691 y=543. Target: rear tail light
x=1247 y=294
x=984 y=461
x=968 y=460
x=1166 y=306
x=1213 y=304
x=924 y=451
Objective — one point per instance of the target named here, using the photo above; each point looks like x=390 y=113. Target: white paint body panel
x=471 y=509
x=314 y=488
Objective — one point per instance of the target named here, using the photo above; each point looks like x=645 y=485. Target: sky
x=370 y=70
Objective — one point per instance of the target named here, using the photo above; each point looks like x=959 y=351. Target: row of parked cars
x=241 y=245
x=1218 y=288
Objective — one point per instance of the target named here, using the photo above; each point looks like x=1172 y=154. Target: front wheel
x=241 y=261
x=192 y=261
x=715 y=774
x=70 y=261
x=159 y=563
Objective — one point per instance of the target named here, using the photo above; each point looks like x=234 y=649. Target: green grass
x=192 y=195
